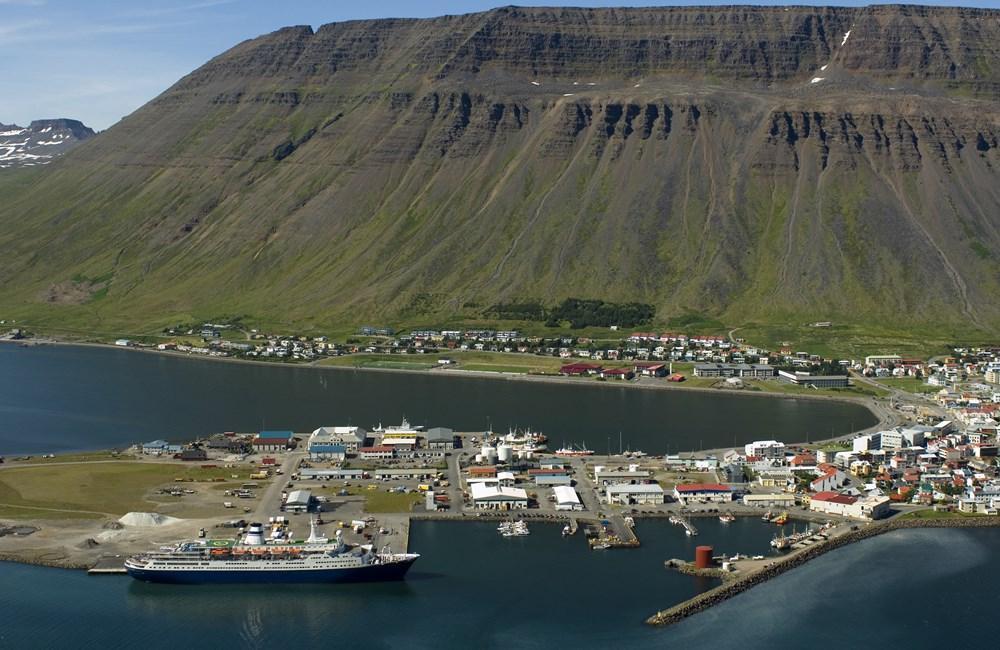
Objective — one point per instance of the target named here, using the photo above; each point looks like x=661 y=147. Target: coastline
x=882 y=422
x=734 y=587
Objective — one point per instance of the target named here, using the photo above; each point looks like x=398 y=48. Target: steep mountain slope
x=751 y=163
x=39 y=143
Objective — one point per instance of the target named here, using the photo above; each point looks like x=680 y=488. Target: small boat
x=601 y=546
x=567 y=530
x=782 y=519
x=767 y=516
x=727 y=518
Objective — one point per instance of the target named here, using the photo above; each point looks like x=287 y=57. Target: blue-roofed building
x=275 y=435
x=155 y=447
x=326 y=451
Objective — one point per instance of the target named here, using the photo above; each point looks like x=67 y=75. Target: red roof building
x=576 y=369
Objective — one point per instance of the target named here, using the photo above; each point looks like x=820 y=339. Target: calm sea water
x=471 y=588
x=61 y=398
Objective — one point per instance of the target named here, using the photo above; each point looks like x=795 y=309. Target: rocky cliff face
x=753 y=163
x=39 y=143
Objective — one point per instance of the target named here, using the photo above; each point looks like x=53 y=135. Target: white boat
x=574 y=451
x=567 y=530
x=727 y=518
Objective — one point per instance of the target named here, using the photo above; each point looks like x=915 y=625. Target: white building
x=498 y=498
x=765 y=448
x=831 y=503
x=566 y=498
x=641 y=494
x=352 y=438
x=769 y=500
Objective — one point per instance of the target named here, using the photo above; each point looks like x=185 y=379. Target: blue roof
x=279 y=435
x=159 y=444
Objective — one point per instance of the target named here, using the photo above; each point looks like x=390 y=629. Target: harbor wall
x=738 y=585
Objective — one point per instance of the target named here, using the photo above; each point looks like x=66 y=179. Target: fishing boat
x=781 y=519
x=574 y=451
x=727 y=518
x=767 y=516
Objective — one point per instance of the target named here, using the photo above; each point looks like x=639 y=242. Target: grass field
x=938 y=514
x=910 y=384
x=91 y=490
x=382 y=501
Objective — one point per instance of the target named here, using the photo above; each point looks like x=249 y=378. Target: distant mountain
x=40 y=142
x=751 y=164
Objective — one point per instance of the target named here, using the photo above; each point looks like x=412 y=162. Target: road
x=270 y=501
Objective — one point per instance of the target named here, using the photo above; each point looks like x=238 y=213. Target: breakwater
x=737 y=586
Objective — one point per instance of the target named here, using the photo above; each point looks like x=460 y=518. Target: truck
x=259 y=475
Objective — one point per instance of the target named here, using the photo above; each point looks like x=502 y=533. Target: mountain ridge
x=748 y=163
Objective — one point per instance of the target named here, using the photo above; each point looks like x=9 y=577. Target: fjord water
x=472 y=588
x=62 y=398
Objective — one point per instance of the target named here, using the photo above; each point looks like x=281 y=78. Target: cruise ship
x=277 y=560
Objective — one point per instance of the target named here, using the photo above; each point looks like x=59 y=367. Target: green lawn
x=97 y=489
x=938 y=514
x=911 y=384
x=382 y=501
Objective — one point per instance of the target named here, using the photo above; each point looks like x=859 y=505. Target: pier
x=686 y=523
x=108 y=565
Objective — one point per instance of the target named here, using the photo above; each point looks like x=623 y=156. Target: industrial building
x=641 y=494
x=769 y=500
x=498 y=498
x=270 y=441
x=352 y=438
x=307 y=473
x=845 y=505
x=566 y=498
x=298 y=501
x=440 y=438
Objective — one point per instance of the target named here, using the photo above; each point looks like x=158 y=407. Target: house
x=486 y=497
x=566 y=498
x=715 y=492
x=580 y=369
x=651 y=369
x=616 y=373
x=831 y=479
x=641 y=494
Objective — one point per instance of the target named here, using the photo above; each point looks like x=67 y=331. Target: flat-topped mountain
x=753 y=163
x=40 y=142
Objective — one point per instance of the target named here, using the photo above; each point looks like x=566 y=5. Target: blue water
x=471 y=588
x=65 y=398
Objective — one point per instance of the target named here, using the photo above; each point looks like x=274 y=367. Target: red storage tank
x=703 y=557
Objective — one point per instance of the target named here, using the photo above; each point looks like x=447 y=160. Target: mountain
x=742 y=163
x=40 y=143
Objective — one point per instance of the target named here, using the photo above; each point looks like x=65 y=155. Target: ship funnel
x=255 y=535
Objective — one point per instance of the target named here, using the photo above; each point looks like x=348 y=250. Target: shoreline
x=736 y=586
x=866 y=402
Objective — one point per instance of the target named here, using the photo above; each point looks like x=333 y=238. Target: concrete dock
x=108 y=565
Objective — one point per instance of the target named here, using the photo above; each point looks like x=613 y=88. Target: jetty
x=689 y=528
x=108 y=565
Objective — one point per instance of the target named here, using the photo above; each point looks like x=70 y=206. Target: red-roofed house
x=580 y=369
x=831 y=503
x=381 y=452
x=707 y=491
x=831 y=479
